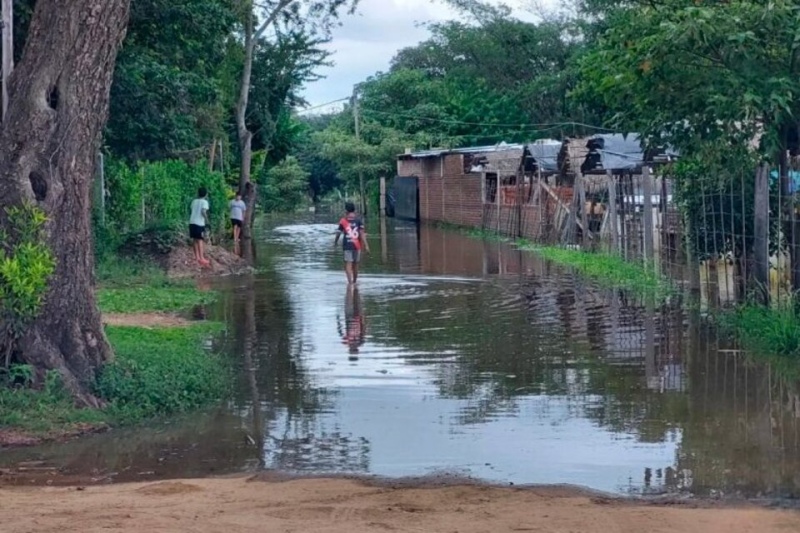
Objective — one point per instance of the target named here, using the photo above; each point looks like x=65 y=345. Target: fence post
x=584 y=218
x=761 y=237
x=647 y=213
x=383 y=197
x=612 y=210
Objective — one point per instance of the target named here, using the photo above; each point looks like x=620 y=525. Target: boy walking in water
x=197 y=225
x=355 y=240
x=238 y=208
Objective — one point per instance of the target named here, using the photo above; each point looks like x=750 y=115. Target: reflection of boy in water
x=354 y=322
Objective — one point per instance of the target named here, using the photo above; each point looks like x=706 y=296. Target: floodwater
x=470 y=358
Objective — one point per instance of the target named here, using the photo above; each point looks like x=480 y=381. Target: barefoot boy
x=197 y=225
x=355 y=240
x=238 y=208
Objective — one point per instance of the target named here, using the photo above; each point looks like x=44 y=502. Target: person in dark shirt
x=355 y=240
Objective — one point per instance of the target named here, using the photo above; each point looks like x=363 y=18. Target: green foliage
x=26 y=264
x=161 y=371
x=714 y=189
x=170 y=91
x=610 y=270
x=158 y=195
x=685 y=72
x=766 y=330
x=46 y=412
x=286 y=186
x=151 y=299
x=281 y=66
x=121 y=272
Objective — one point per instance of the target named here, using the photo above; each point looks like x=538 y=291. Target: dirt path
x=343 y=506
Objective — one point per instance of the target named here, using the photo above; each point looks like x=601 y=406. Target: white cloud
x=367 y=42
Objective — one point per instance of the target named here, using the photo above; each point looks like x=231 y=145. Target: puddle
x=456 y=355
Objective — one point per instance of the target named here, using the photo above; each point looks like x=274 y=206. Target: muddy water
x=464 y=357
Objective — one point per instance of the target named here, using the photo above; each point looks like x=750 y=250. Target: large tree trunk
x=59 y=96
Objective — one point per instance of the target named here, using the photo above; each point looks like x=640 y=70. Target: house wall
x=447 y=194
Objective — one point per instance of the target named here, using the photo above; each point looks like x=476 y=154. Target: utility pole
x=357 y=119
x=8 y=48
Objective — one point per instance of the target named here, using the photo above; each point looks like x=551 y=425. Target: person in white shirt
x=197 y=225
x=238 y=209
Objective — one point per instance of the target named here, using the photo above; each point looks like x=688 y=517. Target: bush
x=26 y=264
x=159 y=194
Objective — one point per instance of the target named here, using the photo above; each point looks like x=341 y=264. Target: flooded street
x=463 y=357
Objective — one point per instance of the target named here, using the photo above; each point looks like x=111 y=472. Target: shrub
x=26 y=264
x=158 y=195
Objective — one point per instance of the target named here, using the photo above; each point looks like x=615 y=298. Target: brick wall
x=447 y=194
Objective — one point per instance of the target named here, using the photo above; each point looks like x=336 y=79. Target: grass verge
x=607 y=269
x=127 y=286
x=610 y=270
x=768 y=333
x=156 y=372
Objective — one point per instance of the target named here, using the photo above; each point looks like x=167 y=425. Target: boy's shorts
x=197 y=232
x=236 y=222
x=352 y=256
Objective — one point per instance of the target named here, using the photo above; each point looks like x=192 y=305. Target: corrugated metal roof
x=615 y=151
x=468 y=150
x=545 y=152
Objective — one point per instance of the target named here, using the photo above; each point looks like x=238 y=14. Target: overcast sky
x=367 y=41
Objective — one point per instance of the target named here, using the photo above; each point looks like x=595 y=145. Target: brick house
x=488 y=187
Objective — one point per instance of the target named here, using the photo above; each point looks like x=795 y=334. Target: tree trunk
x=245 y=135
x=59 y=96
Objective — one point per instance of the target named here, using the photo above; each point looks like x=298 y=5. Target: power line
x=540 y=127
x=545 y=125
x=307 y=109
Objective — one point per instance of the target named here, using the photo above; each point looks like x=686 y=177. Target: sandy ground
x=344 y=506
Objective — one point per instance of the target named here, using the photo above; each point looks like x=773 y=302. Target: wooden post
x=8 y=48
x=383 y=197
x=212 y=154
x=761 y=238
x=384 y=241
x=647 y=213
x=612 y=210
x=582 y=209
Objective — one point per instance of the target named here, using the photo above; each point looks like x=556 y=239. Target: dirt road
x=343 y=506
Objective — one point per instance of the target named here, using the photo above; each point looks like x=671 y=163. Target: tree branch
x=283 y=4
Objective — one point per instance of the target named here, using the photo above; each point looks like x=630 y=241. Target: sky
x=367 y=41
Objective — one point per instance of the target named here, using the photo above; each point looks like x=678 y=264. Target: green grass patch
x=115 y=271
x=769 y=333
x=156 y=372
x=607 y=269
x=162 y=371
x=152 y=299
x=49 y=411
x=610 y=270
x=140 y=286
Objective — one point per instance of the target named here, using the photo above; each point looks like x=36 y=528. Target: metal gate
x=405 y=193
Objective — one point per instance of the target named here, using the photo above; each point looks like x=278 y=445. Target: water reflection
x=479 y=359
x=353 y=331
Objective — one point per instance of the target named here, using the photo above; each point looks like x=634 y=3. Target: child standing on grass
x=355 y=239
x=238 y=209
x=197 y=225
